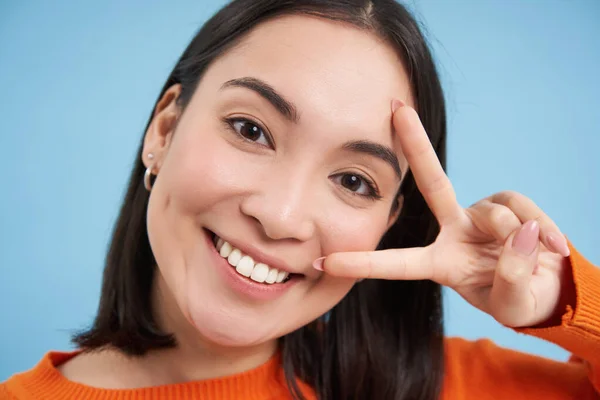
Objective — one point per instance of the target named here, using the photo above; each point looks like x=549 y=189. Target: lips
x=250 y=257
x=247 y=286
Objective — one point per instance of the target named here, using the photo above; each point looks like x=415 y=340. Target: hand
x=503 y=254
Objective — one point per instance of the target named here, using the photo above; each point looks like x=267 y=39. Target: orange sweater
x=474 y=370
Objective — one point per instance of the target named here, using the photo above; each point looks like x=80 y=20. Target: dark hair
x=384 y=340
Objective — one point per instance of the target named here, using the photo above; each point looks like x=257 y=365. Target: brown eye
x=358 y=185
x=351 y=182
x=250 y=131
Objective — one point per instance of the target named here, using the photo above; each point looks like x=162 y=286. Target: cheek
x=352 y=230
x=198 y=174
x=201 y=170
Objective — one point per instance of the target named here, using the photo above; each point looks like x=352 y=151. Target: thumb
x=511 y=300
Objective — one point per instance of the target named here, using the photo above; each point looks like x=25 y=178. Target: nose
x=282 y=206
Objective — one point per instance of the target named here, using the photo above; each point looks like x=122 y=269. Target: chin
x=225 y=321
x=228 y=330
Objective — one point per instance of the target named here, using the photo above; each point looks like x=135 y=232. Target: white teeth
x=225 y=250
x=281 y=275
x=259 y=273
x=272 y=277
x=234 y=257
x=245 y=266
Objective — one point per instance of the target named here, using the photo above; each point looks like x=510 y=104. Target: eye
x=250 y=131
x=358 y=185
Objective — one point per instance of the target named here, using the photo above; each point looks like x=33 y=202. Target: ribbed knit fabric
x=474 y=369
x=45 y=382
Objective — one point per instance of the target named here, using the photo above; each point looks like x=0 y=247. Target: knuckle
x=513 y=202
x=370 y=264
x=421 y=149
x=485 y=202
x=540 y=217
x=438 y=184
x=514 y=275
x=509 y=193
x=501 y=216
x=402 y=267
x=506 y=196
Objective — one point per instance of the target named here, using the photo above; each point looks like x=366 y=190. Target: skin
x=287 y=201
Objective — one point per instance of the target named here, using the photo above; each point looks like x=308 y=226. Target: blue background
x=78 y=80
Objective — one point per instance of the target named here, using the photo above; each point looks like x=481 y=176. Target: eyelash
x=229 y=122
x=372 y=191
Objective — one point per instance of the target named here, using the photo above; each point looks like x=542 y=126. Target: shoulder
x=82 y=367
x=28 y=384
x=70 y=372
x=486 y=355
x=501 y=370
x=107 y=369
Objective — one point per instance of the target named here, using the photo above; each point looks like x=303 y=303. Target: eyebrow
x=266 y=91
x=376 y=150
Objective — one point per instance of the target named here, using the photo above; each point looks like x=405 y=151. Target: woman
x=291 y=140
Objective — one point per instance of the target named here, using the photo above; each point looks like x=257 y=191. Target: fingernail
x=559 y=243
x=526 y=240
x=396 y=104
x=318 y=263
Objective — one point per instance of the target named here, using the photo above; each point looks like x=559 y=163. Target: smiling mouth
x=246 y=266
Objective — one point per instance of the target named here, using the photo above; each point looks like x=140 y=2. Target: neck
x=194 y=358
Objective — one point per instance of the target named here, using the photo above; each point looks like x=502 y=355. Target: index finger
x=398 y=264
x=432 y=181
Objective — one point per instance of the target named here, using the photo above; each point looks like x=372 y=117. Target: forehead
x=339 y=76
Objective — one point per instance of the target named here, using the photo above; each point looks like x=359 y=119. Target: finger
x=511 y=301
x=494 y=219
x=400 y=264
x=432 y=181
x=525 y=209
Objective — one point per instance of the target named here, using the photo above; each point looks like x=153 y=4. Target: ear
x=160 y=131
x=396 y=213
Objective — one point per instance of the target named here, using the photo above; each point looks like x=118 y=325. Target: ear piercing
x=148 y=174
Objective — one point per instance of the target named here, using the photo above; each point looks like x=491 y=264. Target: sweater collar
x=45 y=382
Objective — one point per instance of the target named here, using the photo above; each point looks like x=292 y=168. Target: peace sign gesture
x=503 y=254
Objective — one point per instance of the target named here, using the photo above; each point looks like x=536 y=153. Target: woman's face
x=286 y=152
